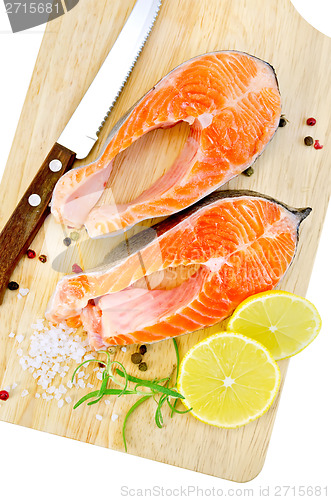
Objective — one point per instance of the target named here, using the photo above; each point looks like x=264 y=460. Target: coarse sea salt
x=11 y=335
x=114 y=417
x=98 y=417
x=50 y=349
x=20 y=338
x=24 y=393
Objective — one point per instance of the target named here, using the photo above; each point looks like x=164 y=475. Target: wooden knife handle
x=31 y=212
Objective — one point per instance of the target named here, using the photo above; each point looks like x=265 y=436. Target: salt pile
x=51 y=348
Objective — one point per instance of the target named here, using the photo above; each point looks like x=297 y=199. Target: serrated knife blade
x=77 y=139
x=83 y=128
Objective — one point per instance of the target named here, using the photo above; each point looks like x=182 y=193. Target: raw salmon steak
x=231 y=102
x=189 y=271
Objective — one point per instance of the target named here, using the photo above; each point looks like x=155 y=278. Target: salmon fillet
x=199 y=265
x=231 y=102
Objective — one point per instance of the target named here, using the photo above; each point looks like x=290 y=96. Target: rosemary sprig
x=144 y=388
x=173 y=409
x=151 y=385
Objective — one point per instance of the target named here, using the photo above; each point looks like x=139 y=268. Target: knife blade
x=78 y=137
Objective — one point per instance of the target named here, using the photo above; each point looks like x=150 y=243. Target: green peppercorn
x=309 y=141
x=12 y=285
x=136 y=358
x=74 y=236
x=142 y=367
x=67 y=242
x=142 y=349
x=248 y=172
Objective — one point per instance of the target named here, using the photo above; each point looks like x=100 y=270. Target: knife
x=78 y=137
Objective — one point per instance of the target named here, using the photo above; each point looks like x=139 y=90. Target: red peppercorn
x=4 y=395
x=311 y=122
x=76 y=268
x=31 y=254
x=317 y=145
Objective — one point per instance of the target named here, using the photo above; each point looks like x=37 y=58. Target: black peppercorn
x=309 y=141
x=282 y=121
x=136 y=358
x=67 y=242
x=142 y=367
x=142 y=349
x=12 y=285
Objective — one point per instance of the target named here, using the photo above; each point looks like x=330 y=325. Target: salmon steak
x=231 y=102
x=187 y=272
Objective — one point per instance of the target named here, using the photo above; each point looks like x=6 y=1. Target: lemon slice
x=283 y=322
x=228 y=380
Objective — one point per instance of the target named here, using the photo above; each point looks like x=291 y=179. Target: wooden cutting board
x=73 y=48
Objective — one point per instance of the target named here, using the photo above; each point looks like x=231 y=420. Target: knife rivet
x=34 y=200
x=55 y=165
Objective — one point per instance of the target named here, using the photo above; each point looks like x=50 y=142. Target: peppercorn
x=74 y=236
x=311 y=122
x=12 y=285
x=136 y=358
x=142 y=349
x=309 y=141
x=42 y=258
x=101 y=365
x=282 y=121
x=317 y=145
x=4 y=395
x=76 y=269
x=249 y=171
x=142 y=367
x=30 y=254
x=67 y=242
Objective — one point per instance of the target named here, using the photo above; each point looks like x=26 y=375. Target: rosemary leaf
x=177 y=357
x=131 y=410
x=174 y=409
x=84 y=398
x=158 y=413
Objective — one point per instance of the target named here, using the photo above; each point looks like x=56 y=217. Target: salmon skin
x=231 y=102
x=204 y=262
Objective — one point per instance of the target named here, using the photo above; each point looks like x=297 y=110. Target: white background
x=38 y=465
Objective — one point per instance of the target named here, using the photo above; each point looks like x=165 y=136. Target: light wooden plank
x=73 y=48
